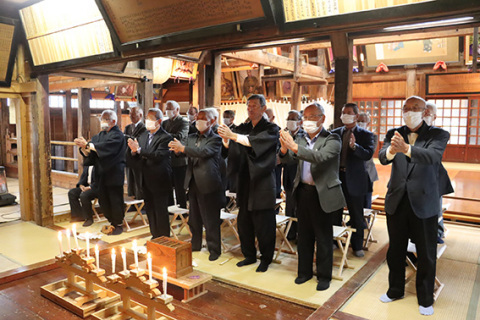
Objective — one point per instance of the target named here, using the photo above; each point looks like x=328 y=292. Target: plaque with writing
x=145 y=19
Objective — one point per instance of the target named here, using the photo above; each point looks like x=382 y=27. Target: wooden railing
x=63 y=143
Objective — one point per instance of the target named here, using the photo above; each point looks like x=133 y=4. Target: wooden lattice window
x=453 y=116
x=474 y=122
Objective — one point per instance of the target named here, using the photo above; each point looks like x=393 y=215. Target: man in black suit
x=252 y=150
x=294 y=120
x=318 y=192
x=133 y=131
x=229 y=118
x=412 y=200
x=230 y=182
x=106 y=151
x=204 y=184
x=192 y=117
x=177 y=127
x=151 y=152
x=357 y=147
x=80 y=198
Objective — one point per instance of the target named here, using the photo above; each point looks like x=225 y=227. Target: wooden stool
x=138 y=204
x=232 y=203
x=94 y=209
x=284 y=223
x=343 y=236
x=369 y=216
x=179 y=212
x=229 y=222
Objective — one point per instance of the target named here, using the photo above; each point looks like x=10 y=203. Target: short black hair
x=353 y=106
x=260 y=98
x=229 y=113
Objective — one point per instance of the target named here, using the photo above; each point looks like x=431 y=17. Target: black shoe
x=87 y=223
x=323 y=285
x=246 y=262
x=213 y=256
x=262 y=267
x=76 y=219
x=300 y=280
x=118 y=230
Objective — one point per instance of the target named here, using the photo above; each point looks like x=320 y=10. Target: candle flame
x=67 y=232
x=134 y=244
x=123 y=251
x=113 y=251
x=59 y=235
x=74 y=227
x=149 y=256
x=96 y=247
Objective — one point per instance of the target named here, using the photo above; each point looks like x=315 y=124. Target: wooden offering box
x=173 y=254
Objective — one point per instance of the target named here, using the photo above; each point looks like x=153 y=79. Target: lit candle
x=60 y=242
x=135 y=252
x=149 y=263
x=124 y=258
x=97 y=254
x=67 y=232
x=74 y=232
x=113 y=260
x=87 y=237
x=165 y=281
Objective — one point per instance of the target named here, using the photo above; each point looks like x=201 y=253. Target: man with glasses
x=252 y=151
x=412 y=200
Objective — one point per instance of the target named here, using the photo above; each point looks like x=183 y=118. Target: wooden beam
x=83 y=120
x=217 y=79
x=117 y=107
x=201 y=86
x=67 y=120
x=303 y=80
x=129 y=75
x=475 y=50
x=411 y=83
x=275 y=61
x=75 y=83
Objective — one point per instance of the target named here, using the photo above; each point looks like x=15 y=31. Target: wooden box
x=173 y=254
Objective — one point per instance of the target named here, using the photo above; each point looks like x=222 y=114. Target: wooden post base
x=82 y=304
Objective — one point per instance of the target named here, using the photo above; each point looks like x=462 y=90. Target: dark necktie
x=345 y=145
x=150 y=138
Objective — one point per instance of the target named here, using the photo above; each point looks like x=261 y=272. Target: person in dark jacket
x=80 y=197
x=133 y=131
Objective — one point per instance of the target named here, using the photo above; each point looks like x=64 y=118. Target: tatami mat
x=7 y=264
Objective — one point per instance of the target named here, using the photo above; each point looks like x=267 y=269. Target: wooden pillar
x=342 y=47
x=4 y=123
x=411 y=83
x=297 y=88
x=67 y=120
x=217 y=80
x=201 y=86
x=83 y=120
x=145 y=87
x=118 y=110
x=320 y=91
x=475 y=49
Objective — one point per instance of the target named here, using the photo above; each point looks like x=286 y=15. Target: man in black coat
x=177 y=127
x=133 y=131
x=192 y=118
x=357 y=147
x=204 y=182
x=150 y=150
x=412 y=200
x=80 y=197
x=106 y=151
x=252 y=153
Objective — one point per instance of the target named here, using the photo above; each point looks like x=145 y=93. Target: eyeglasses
x=313 y=117
x=413 y=109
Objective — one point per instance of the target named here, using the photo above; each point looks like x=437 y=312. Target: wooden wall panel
x=453 y=83
x=390 y=89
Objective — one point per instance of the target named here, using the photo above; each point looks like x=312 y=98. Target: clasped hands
x=133 y=144
x=287 y=142
x=176 y=146
x=80 y=142
x=226 y=134
x=398 y=144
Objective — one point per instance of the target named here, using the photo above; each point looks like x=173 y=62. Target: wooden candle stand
x=140 y=298
x=80 y=293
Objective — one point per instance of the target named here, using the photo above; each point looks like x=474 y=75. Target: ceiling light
x=430 y=24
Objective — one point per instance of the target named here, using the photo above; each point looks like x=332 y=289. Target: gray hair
x=364 y=114
x=298 y=114
x=174 y=104
x=110 y=114
x=208 y=113
x=431 y=105
x=416 y=98
x=260 y=98
x=213 y=112
x=158 y=113
x=318 y=106
x=139 y=109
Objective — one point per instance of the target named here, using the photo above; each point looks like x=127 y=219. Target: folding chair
x=95 y=212
x=343 y=236
x=229 y=223
x=284 y=223
x=278 y=203
x=232 y=202
x=370 y=216
x=138 y=205
x=179 y=212
x=413 y=249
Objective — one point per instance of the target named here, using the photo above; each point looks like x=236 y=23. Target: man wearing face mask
x=318 y=192
x=192 y=117
x=153 y=156
x=252 y=149
x=363 y=122
x=214 y=112
x=229 y=118
x=357 y=147
x=412 y=200
x=177 y=127
x=133 y=131
x=106 y=152
x=204 y=182
x=294 y=120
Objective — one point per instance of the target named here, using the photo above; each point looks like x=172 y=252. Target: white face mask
x=310 y=126
x=362 y=125
x=201 y=125
x=227 y=121
x=150 y=125
x=170 y=114
x=292 y=125
x=191 y=117
x=104 y=125
x=428 y=120
x=412 y=119
x=347 y=118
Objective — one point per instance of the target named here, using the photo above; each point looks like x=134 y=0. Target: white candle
x=67 y=232
x=97 y=255
x=74 y=232
x=87 y=237
x=135 y=252
x=60 y=242
x=124 y=258
x=165 y=281
x=149 y=263
x=113 y=260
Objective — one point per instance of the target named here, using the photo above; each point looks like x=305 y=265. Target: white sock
x=426 y=311
x=386 y=299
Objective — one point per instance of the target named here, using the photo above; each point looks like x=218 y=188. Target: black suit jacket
x=132 y=131
x=356 y=176
x=178 y=129
x=154 y=160
x=204 y=162
x=418 y=175
x=290 y=168
x=84 y=178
